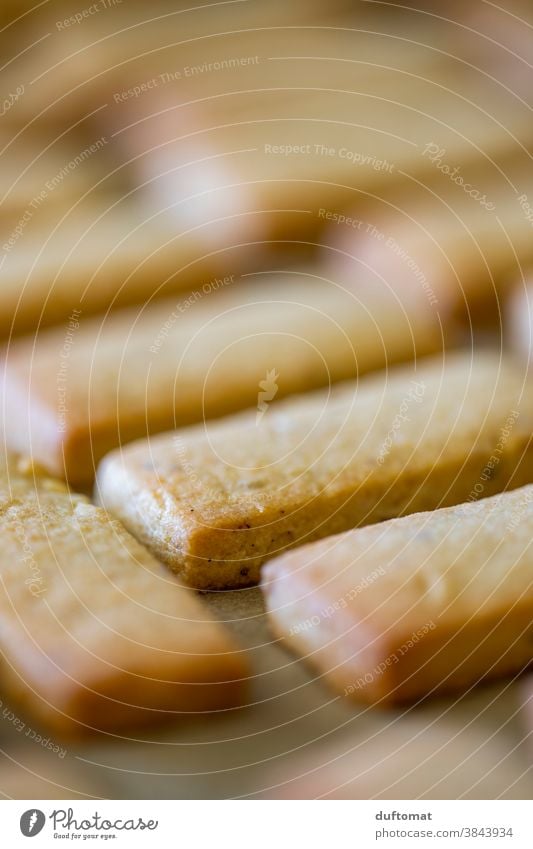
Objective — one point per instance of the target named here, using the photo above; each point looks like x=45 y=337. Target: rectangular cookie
x=41 y=175
x=77 y=391
x=100 y=257
x=423 y=605
x=94 y=633
x=464 y=248
x=294 y=153
x=73 y=85
x=214 y=502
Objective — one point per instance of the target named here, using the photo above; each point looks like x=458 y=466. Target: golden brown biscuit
x=423 y=605
x=214 y=502
x=95 y=634
x=462 y=239
x=40 y=175
x=133 y=48
x=78 y=391
x=98 y=258
x=293 y=156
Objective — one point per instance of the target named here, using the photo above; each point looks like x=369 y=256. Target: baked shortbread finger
x=94 y=633
x=462 y=247
x=73 y=86
x=101 y=256
x=34 y=178
x=423 y=605
x=77 y=391
x=214 y=502
x=289 y=162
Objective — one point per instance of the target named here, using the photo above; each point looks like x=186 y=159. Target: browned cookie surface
x=214 y=502
x=94 y=632
x=423 y=605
